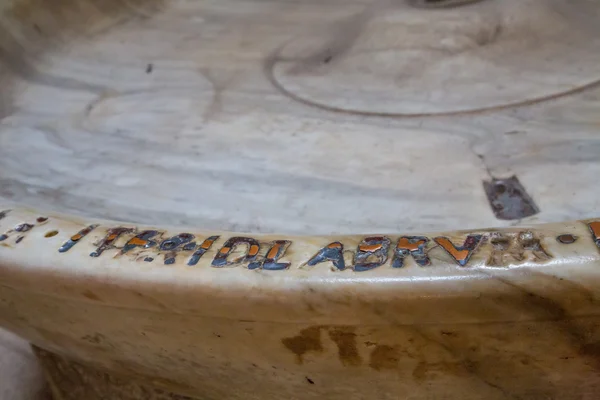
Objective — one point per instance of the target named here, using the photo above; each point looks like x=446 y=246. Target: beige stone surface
x=513 y=314
x=267 y=199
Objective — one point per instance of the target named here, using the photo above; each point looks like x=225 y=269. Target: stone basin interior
x=299 y=117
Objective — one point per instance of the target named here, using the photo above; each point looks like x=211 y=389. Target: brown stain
x=91 y=295
x=345 y=339
x=591 y=350
x=96 y=338
x=308 y=340
x=424 y=371
x=546 y=307
x=419 y=374
x=384 y=357
x=77 y=381
x=311 y=308
x=150 y=300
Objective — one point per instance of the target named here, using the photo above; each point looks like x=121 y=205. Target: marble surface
x=301 y=117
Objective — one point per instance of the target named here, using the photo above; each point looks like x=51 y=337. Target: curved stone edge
x=93 y=239
x=276 y=277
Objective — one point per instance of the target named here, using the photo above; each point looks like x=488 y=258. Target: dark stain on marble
x=424 y=371
x=90 y=295
x=308 y=340
x=384 y=357
x=345 y=339
x=570 y=328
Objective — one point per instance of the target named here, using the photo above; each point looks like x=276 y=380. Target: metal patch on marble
x=566 y=238
x=509 y=199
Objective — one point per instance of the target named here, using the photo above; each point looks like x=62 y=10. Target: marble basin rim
x=266 y=199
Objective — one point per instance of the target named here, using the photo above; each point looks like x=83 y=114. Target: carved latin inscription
x=413 y=246
x=460 y=254
x=252 y=249
x=170 y=246
x=595 y=228
x=333 y=252
x=516 y=248
x=372 y=252
x=270 y=263
x=500 y=249
x=76 y=238
x=107 y=243
x=204 y=247
x=140 y=240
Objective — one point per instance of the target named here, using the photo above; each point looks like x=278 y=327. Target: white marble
x=205 y=139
